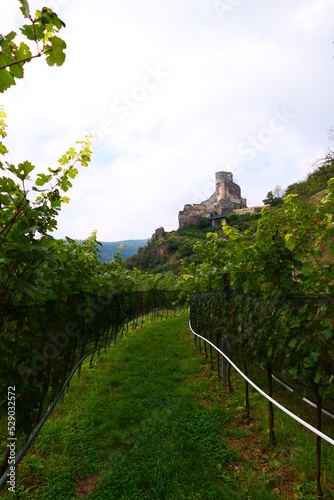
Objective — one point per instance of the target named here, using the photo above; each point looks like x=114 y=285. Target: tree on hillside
x=275 y=197
x=316 y=180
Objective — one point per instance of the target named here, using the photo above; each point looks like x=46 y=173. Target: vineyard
x=57 y=300
x=275 y=302
x=44 y=343
x=264 y=287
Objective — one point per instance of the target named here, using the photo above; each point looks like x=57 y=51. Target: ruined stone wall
x=225 y=199
x=223 y=177
x=191 y=214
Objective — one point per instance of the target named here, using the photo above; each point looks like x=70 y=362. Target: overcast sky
x=172 y=93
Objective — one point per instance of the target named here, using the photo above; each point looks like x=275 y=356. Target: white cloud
x=225 y=79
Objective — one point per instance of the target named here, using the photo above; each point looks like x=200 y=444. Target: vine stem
x=25 y=60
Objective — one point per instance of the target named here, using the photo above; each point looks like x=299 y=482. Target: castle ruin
x=225 y=199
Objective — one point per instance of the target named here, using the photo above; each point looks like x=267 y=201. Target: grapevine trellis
x=290 y=335
x=41 y=344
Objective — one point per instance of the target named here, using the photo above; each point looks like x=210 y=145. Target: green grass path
x=151 y=420
x=135 y=427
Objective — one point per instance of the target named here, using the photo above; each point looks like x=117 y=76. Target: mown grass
x=151 y=420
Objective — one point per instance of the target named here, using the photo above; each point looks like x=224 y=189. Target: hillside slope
x=165 y=253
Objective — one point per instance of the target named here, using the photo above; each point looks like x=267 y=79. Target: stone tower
x=225 y=199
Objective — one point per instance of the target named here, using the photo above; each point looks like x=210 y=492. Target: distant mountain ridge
x=110 y=248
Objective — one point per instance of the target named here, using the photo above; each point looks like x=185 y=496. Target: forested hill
x=110 y=248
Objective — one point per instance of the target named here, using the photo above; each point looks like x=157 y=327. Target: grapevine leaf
x=62 y=256
x=24 y=8
x=290 y=241
x=16 y=71
x=325 y=322
x=23 y=54
x=324 y=390
x=293 y=343
x=73 y=172
x=5 y=58
x=318 y=376
x=31 y=291
x=42 y=179
x=25 y=169
x=293 y=372
x=56 y=53
x=6 y=80
x=330 y=183
x=311 y=360
x=306 y=223
x=28 y=31
x=50 y=17
x=33 y=32
x=327 y=334
x=8 y=38
x=22 y=170
x=7 y=185
x=65 y=184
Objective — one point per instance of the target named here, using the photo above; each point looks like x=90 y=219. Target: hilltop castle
x=225 y=199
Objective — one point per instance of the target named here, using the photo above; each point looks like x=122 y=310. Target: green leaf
x=327 y=334
x=293 y=343
x=31 y=291
x=73 y=172
x=324 y=390
x=24 y=170
x=34 y=33
x=65 y=184
x=6 y=79
x=56 y=55
x=318 y=254
x=24 y=8
x=290 y=198
x=16 y=70
x=42 y=179
x=7 y=185
x=23 y=53
x=330 y=183
x=8 y=38
x=62 y=256
x=3 y=149
x=294 y=372
x=6 y=57
x=290 y=241
x=318 y=376
x=28 y=31
x=53 y=171
x=306 y=223
x=311 y=360
x=325 y=322
x=48 y=17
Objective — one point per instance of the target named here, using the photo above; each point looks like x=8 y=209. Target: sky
x=173 y=92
